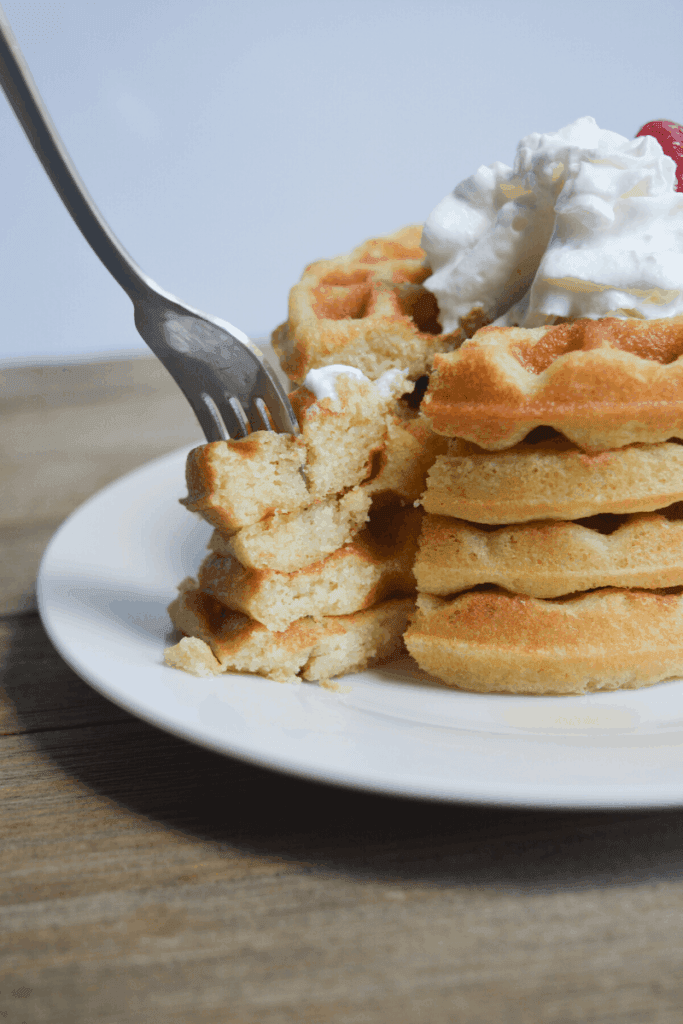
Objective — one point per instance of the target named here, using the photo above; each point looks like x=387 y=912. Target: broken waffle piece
x=367 y=309
x=377 y=564
x=194 y=656
x=601 y=383
x=492 y=641
x=349 y=643
x=343 y=433
x=402 y=466
x=284 y=543
x=314 y=649
x=549 y=559
x=552 y=480
x=237 y=483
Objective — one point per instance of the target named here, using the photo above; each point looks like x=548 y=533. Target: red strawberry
x=669 y=135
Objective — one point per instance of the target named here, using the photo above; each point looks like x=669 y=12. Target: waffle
x=401 y=467
x=493 y=641
x=342 y=435
x=376 y=565
x=294 y=540
x=296 y=580
x=366 y=309
x=549 y=559
x=238 y=483
x=601 y=383
x=552 y=480
x=219 y=640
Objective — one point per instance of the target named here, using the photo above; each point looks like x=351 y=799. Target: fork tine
x=272 y=394
x=240 y=418
x=260 y=418
x=210 y=419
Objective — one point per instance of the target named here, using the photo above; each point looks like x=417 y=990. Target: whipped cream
x=322 y=382
x=587 y=223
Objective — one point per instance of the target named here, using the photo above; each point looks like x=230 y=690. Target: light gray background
x=230 y=143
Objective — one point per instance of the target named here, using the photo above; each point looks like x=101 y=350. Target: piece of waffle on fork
x=310 y=573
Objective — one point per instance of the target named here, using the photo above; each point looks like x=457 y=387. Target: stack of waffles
x=549 y=465
x=366 y=309
x=309 y=572
x=551 y=555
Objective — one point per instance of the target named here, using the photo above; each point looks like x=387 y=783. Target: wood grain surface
x=143 y=879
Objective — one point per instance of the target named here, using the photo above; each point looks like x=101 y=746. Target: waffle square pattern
x=366 y=309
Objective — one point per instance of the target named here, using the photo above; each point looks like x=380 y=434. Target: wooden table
x=147 y=880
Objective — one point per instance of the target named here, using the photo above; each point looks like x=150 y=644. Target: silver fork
x=222 y=374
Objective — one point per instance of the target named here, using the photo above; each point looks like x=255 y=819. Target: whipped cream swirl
x=587 y=223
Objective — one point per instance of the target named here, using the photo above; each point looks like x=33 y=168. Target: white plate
x=111 y=570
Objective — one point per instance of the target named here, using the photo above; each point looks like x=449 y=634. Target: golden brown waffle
x=376 y=565
x=602 y=383
x=552 y=480
x=366 y=309
x=549 y=559
x=491 y=641
x=219 y=640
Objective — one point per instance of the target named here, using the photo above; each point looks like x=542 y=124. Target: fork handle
x=25 y=100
